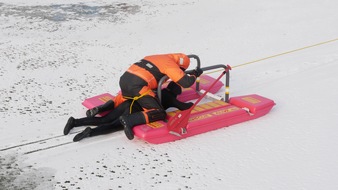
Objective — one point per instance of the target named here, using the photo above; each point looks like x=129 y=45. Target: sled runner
x=204 y=117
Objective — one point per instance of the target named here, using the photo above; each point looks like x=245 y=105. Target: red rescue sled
x=204 y=117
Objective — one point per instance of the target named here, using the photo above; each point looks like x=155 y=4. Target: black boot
x=109 y=105
x=82 y=135
x=69 y=126
x=92 y=112
x=129 y=121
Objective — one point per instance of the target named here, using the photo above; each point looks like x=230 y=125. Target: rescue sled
x=207 y=116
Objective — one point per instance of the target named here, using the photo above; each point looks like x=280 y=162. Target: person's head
x=182 y=60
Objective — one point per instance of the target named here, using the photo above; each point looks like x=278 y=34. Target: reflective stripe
x=145 y=116
x=181 y=61
x=118 y=99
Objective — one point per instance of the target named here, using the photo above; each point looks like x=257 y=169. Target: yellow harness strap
x=134 y=99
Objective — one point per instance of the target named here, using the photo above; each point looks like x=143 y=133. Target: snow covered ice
x=54 y=54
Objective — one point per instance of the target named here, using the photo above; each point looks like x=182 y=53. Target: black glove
x=197 y=72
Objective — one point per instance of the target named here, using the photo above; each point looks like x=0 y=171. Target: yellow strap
x=134 y=99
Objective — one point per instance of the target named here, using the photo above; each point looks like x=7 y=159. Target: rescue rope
x=280 y=54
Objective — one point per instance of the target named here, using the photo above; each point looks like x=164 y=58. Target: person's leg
x=86 y=121
x=109 y=105
x=108 y=128
x=99 y=130
x=110 y=117
x=82 y=135
x=153 y=111
x=111 y=127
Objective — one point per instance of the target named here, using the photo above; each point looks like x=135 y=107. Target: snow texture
x=54 y=54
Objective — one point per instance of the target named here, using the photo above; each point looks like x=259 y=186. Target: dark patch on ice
x=33 y=96
x=65 y=12
x=14 y=174
x=147 y=164
x=21 y=98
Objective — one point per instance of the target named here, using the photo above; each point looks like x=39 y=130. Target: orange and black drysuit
x=117 y=107
x=139 y=81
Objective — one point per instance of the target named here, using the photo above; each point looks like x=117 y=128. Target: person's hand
x=197 y=72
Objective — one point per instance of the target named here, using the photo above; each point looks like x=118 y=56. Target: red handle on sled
x=177 y=124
